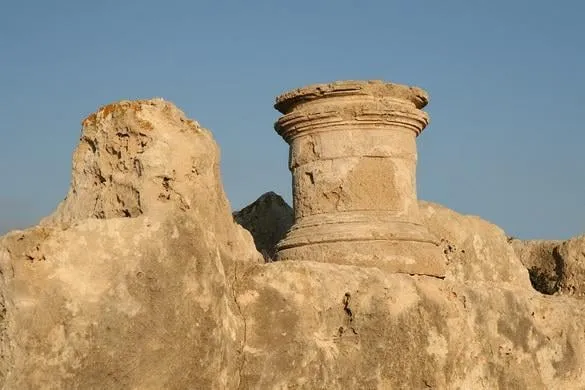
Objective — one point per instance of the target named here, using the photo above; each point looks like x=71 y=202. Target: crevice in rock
x=425 y=275
x=138 y=167
x=559 y=268
x=540 y=281
x=242 y=363
x=544 y=263
x=349 y=315
x=168 y=192
x=92 y=143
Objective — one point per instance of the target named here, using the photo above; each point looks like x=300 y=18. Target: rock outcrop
x=555 y=267
x=322 y=326
x=268 y=219
x=130 y=283
x=572 y=267
x=142 y=279
x=477 y=250
x=540 y=257
x=315 y=325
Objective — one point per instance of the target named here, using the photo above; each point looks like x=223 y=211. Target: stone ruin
x=353 y=160
x=142 y=279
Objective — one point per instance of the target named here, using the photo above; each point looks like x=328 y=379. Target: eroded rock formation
x=141 y=279
x=556 y=267
x=268 y=219
x=130 y=283
x=482 y=327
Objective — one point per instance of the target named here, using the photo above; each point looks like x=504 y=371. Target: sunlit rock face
x=324 y=325
x=141 y=279
x=130 y=283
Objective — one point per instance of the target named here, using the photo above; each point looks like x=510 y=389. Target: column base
x=398 y=247
x=390 y=256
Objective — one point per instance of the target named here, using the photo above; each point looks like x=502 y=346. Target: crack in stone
x=349 y=314
x=240 y=369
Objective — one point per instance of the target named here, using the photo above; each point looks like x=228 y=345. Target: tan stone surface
x=327 y=326
x=353 y=160
x=476 y=249
x=556 y=267
x=116 y=291
x=542 y=260
x=134 y=158
x=142 y=280
x=572 y=265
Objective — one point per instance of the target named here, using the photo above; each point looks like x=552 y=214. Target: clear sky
x=506 y=79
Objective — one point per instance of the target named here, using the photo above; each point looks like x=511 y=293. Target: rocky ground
x=142 y=279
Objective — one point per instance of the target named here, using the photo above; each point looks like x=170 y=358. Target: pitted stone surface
x=103 y=296
x=369 y=89
x=556 y=267
x=353 y=160
x=328 y=326
x=129 y=284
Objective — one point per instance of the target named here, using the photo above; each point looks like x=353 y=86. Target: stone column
x=353 y=161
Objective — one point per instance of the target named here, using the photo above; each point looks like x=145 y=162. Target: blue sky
x=506 y=80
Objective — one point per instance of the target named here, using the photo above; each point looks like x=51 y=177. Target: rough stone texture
x=477 y=250
x=142 y=280
x=129 y=284
x=572 y=266
x=134 y=158
x=353 y=160
x=541 y=258
x=326 y=326
x=315 y=325
x=267 y=219
x=556 y=267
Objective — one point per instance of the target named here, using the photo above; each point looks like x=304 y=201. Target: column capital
x=362 y=104
x=416 y=96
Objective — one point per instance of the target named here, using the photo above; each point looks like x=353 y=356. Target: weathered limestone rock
x=325 y=326
x=556 y=267
x=353 y=161
x=477 y=250
x=129 y=284
x=267 y=219
x=572 y=266
x=142 y=280
x=134 y=158
x=313 y=325
x=542 y=260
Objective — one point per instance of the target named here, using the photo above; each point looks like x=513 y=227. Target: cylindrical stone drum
x=353 y=161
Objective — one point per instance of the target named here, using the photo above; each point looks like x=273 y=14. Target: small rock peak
x=136 y=156
x=266 y=200
x=268 y=218
x=270 y=197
